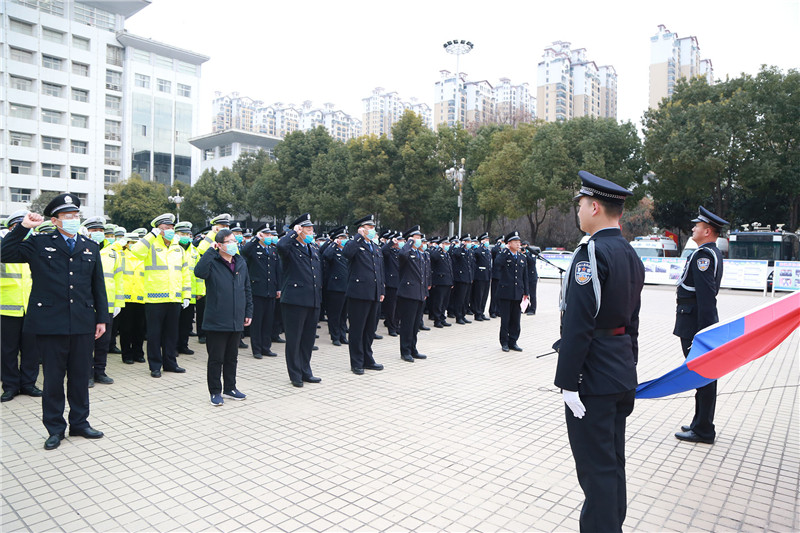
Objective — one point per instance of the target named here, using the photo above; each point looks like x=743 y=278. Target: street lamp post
x=457 y=48
x=177 y=199
x=456 y=175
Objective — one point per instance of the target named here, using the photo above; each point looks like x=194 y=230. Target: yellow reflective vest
x=198 y=285
x=132 y=277
x=111 y=259
x=15 y=288
x=167 y=278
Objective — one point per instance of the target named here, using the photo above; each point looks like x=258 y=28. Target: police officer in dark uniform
x=533 y=277
x=365 y=292
x=697 y=309
x=510 y=266
x=426 y=263
x=301 y=295
x=67 y=311
x=411 y=293
x=462 y=278
x=441 y=282
x=391 y=265
x=598 y=350
x=482 y=274
x=493 y=302
x=335 y=287
x=265 y=284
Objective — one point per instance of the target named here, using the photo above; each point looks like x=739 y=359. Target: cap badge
x=68 y=199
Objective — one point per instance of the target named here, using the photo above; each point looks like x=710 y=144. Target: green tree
x=213 y=194
x=371 y=188
x=38 y=204
x=326 y=194
x=268 y=196
x=136 y=202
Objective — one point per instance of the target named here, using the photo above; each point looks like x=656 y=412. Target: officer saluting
x=697 y=309
x=511 y=268
x=598 y=351
x=67 y=311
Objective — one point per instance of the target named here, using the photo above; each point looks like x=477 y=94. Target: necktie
x=71 y=244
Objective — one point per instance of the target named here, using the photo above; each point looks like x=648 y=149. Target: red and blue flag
x=725 y=346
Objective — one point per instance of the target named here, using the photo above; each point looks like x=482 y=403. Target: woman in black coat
x=229 y=308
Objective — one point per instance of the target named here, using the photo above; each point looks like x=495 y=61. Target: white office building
x=85 y=104
x=221 y=149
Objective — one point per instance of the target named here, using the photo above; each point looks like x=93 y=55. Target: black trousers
x=301 y=329
x=223 y=353
x=363 y=317
x=598 y=447
x=20 y=360
x=98 y=363
x=261 y=326
x=133 y=325
x=480 y=293
x=510 y=313
x=493 y=303
x=705 y=403
x=458 y=299
x=437 y=303
x=185 y=322
x=277 y=321
x=532 y=297
x=67 y=356
x=115 y=324
x=409 y=312
x=162 y=335
x=337 y=315
x=200 y=312
x=389 y=310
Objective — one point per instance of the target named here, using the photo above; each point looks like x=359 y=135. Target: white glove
x=155 y=231
x=573 y=401
x=185 y=303
x=117 y=310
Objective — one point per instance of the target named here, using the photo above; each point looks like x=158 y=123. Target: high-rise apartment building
x=514 y=104
x=85 y=104
x=382 y=110
x=570 y=85
x=673 y=58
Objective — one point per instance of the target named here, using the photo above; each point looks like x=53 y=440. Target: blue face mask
x=239 y=238
x=417 y=243
x=97 y=236
x=343 y=242
x=401 y=244
x=169 y=234
x=424 y=247
x=447 y=248
x=371 y=234
x=231 y=248
x=486 y=245
x=71 y=226
x=308 y=239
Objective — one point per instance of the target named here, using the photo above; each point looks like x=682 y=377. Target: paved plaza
x=471 y=439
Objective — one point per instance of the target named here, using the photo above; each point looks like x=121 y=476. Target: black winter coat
x=229 y=299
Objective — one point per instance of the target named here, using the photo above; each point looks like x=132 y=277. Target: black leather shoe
x=8 y=395
x=140 y=359
x=478 y=318
x=312 y=379
x=278 y=340
x=686 y=428
x=337 y=342
x=114 y=349
x=53 y=441
x=358 y=371
x=504 y=347
x=515 y=347
x=88 y=433
x=393 y=334
x=468 y=321
x=297 y=384
x=102 y=378
x=492 y=315
x=424 y=328
x=485 y=317
x=446 y=324
x=461 y=321
x=176 y=370
x=316 y=336
x=345 y=341
x=438 y=325
x=201 y=340
x=376 y=366
x=243 y=345
x=407 y=358
x=128 y=361
x=691 y=436
x=314 y=348
x=32 y=390
x=377 y=337
x=91 y=383
x=186 y=351
x=155 y=373
x=258 y=356
x=530 y=313
x=419 y=356
x=270 y=353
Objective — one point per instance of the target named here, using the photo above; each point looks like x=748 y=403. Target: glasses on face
x=70 y=216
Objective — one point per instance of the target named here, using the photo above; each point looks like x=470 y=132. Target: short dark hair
x=611 y=209
x=222 y=235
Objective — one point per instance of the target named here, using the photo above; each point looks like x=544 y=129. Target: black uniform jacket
x=391 y=265
x=426 y=260
x=698 y=309
x=301 y=272
x=365 y=279
x=495 y=250
x=68 y=296
x=412 y=274
x=512 y=275
x=264 y=268
x=229 y=299
x=335 y=266
x=590 y=360
x=482 y=270
x=533 y=275
x=441 y=267
x=462 y=267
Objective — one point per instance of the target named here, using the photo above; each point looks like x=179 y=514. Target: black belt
x=609 y=332
x=690 y=300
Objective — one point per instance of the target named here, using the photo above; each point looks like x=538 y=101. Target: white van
x=691 y=246
x=655 y=246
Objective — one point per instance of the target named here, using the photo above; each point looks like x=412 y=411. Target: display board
x=786 y=276
x=546 y=271
x=745 y=274
x=663 y=270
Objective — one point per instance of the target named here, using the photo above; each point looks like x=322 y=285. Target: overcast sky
x=339 y=51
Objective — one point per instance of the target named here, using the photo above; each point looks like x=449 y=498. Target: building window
x=92 y=16
x=22 y=196
x=142 y=81
x=51 y=171
x=164 y=86
x=52 y=117
x=21 y=167
x=113 y=130
x=82 y=196
x=52 y=62
x=79 y=121
x=51 y=89
x=140 y=129
x=113 y=80
x=18 y=54
x=184 y=90
x=78 y=173
x=141 y=56
x=225 y=150
x=80 y=69
x=164 y=62
x=111 y=176
x=113 y=105
x=20 y=111
x=21 y=84
x=21 y=139
x=80 y=95
x=20 y=26
x=51 y=143
x=112 y=155
x=208 y=155
x=81 y=43
x=79 y=147
x=114 y=55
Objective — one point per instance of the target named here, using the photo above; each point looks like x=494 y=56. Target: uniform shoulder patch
x=583 y=272
x=703 y=264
